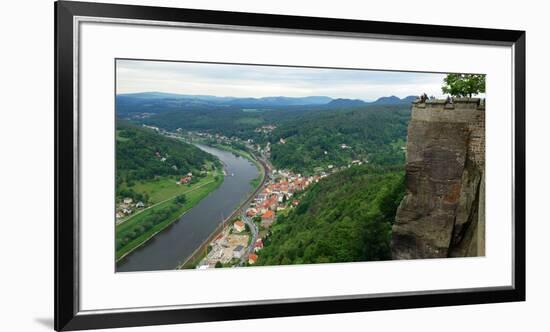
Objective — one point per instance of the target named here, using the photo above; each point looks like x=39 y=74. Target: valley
x=309 y=206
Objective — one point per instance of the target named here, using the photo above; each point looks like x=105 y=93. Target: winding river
x=172 y=246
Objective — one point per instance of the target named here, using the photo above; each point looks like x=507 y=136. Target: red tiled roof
x=267 y=215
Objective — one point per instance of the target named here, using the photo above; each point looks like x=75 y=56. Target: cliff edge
x=443 y=211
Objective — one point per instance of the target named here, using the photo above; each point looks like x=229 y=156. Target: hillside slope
x=372 y=133
x=142 y=154
x=345 y=217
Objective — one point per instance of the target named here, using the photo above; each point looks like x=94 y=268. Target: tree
x=463 y=85
x=181 y=199
x=218 y=265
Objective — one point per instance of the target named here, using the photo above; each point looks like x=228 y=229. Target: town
x=242 y=239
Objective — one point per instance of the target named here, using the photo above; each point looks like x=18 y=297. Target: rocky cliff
x=443 y=211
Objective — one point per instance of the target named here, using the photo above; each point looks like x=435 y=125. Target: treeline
x=346 y=217
x=223 y=119
x=229 y=122
x=314 y=134
x=373 y=134
x=142 y=154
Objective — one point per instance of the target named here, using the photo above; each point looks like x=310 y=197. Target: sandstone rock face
x=442 y=214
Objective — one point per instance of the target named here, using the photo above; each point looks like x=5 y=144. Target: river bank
x=202 y=250
x=192 y=197
x=170 y=248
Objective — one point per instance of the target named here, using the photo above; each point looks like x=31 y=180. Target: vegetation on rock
x=464 y=85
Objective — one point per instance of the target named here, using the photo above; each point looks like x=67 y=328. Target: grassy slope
x=193 y=194
x=163 y=188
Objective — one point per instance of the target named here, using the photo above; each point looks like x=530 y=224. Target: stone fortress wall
x=443 y=212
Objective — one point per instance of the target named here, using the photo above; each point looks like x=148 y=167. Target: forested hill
x=307 y=138
x=346 y=217
x=142 y=154
x=374 y=133
x=234 y=116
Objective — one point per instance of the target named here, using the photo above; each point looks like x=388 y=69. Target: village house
x=127 y=200
x=251 y=212
x=267 y=219
x=252 y=258
x=238 y=226
x=184 y=180
x=260 y=197
x=269 y=204
x=140 y=204
x=258 y=245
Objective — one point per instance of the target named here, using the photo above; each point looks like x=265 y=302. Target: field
x=163 y=188
x=164 y=194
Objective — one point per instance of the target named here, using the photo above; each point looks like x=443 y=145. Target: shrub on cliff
x=463 y=85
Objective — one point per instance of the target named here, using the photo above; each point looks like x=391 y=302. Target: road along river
x=168 y=249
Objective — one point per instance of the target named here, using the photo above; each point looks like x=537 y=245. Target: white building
x=238 y=252
x=238 y=226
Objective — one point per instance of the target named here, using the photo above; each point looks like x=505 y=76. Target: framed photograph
x=219 y=165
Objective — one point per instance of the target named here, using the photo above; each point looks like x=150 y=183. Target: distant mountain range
x=156 y=102
x=264 y=101
x=392 y=100
x=341 y=102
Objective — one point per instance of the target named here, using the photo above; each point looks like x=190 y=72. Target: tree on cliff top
x=463 y=85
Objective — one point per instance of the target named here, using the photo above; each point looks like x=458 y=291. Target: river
x=173 y=245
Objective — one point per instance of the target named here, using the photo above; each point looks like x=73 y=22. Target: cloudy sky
x=262 y=81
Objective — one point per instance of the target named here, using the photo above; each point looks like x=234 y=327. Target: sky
x=228 y=80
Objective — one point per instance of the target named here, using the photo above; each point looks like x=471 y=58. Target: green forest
x=346 y=217
x=314 y=134
x=142 y=154
x=372 y=134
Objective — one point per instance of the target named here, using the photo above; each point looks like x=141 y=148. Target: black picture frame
x=67 y=314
